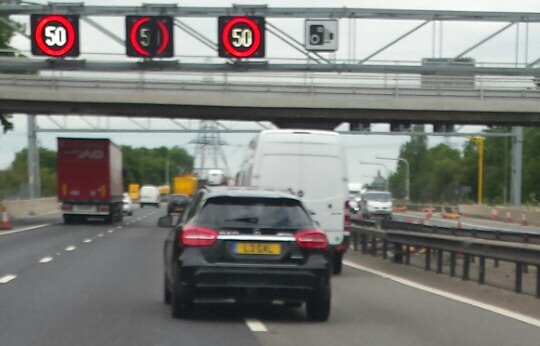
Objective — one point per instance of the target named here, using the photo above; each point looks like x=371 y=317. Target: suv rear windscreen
x=254 y=212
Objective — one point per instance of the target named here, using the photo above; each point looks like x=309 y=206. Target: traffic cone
x=524 y=220
x=458 y=225
x=429 y=213
x=508 y=217
x=408 y=220
x=454 y=211
x=494 y=215
x=5 y=219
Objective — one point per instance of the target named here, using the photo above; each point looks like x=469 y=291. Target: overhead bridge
x=286 y=105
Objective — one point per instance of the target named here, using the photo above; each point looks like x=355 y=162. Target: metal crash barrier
x=402 y=242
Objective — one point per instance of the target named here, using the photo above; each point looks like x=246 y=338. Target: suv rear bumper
x=243 y=281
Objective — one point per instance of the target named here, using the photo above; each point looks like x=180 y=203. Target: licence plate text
x=258 y=248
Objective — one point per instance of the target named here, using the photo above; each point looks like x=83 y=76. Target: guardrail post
x=439 y=261
x=482 y=270
x=398 y=253
x=452 y=263
x=408 y=254
x=428 y=259
x=364 y=243
x=466 y=266
x=385 y=249
x=373 y=246
x=497 y=237
x=537 y=281
x=519 y=275
x=355 y=241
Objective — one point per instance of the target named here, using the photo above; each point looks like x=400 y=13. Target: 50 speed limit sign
x=241 y=37
x=55 y=35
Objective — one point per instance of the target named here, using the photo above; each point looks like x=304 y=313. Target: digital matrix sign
x=55 y=35
x=241 y=37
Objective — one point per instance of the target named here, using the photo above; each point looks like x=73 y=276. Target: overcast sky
x=370 y=36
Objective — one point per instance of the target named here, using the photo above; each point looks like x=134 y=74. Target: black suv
x=248 y=244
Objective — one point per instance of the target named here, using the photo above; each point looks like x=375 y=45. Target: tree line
x=442 y=174
x=140 y=165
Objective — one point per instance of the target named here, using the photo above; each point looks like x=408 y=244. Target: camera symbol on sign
x=319 y=35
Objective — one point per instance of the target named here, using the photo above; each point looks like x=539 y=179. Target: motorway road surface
x=97 y=284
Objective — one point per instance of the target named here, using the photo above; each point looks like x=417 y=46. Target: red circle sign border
x=256 y=34
x=135 y=42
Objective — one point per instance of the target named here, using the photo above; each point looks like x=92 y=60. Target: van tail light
x=66 y=207
x=313 y=239
x=198 y=236
x=347 y=215
x=103 y=208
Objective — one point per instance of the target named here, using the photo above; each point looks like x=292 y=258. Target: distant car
x=128 y=204
x=377 y=204
x=177 y=204
x=248 y=244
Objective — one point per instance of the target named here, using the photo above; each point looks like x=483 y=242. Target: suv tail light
x=347 y=215
x=198 y=236
x=314 y=239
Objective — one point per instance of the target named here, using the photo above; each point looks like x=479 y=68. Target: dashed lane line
x=101 y=235
x=255 y=325
x=70 y=248
x=458 y=298
x=46 y=259
x=7 y=278
x=87 y=240
x=110 y=231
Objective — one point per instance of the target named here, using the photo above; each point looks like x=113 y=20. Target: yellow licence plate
x=258 y=248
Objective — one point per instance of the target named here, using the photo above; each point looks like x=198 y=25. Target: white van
x=310 y=164
x=149 y=194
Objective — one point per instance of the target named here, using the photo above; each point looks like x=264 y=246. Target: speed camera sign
x=55 y=35
x=321 y=35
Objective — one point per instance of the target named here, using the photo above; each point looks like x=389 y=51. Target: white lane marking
x=517 y=316
x=24 y=229
x=7 y=278
x=139 y=219
x=58 y=254
x=101 y=235
x=70 y=248
x=87 y=240
x=255 y=325
x=45 y=259
x=119 y=227
x=110 y=231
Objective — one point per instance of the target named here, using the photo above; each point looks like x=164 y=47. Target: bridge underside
x=284 y=117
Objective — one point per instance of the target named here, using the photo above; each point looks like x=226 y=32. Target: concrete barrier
x=485 y=211
x=31 y=207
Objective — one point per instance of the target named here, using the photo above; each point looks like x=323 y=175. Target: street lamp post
x=479 y=141
x=382 y=165
x=407 y=174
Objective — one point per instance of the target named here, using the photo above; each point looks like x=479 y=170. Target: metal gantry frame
x=17 y=7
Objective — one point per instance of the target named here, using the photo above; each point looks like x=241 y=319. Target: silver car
x=128 y=204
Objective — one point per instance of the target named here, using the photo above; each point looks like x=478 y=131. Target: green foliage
x=6 y=34
x=141 y=165
x=147 y=166
x=435 y=171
